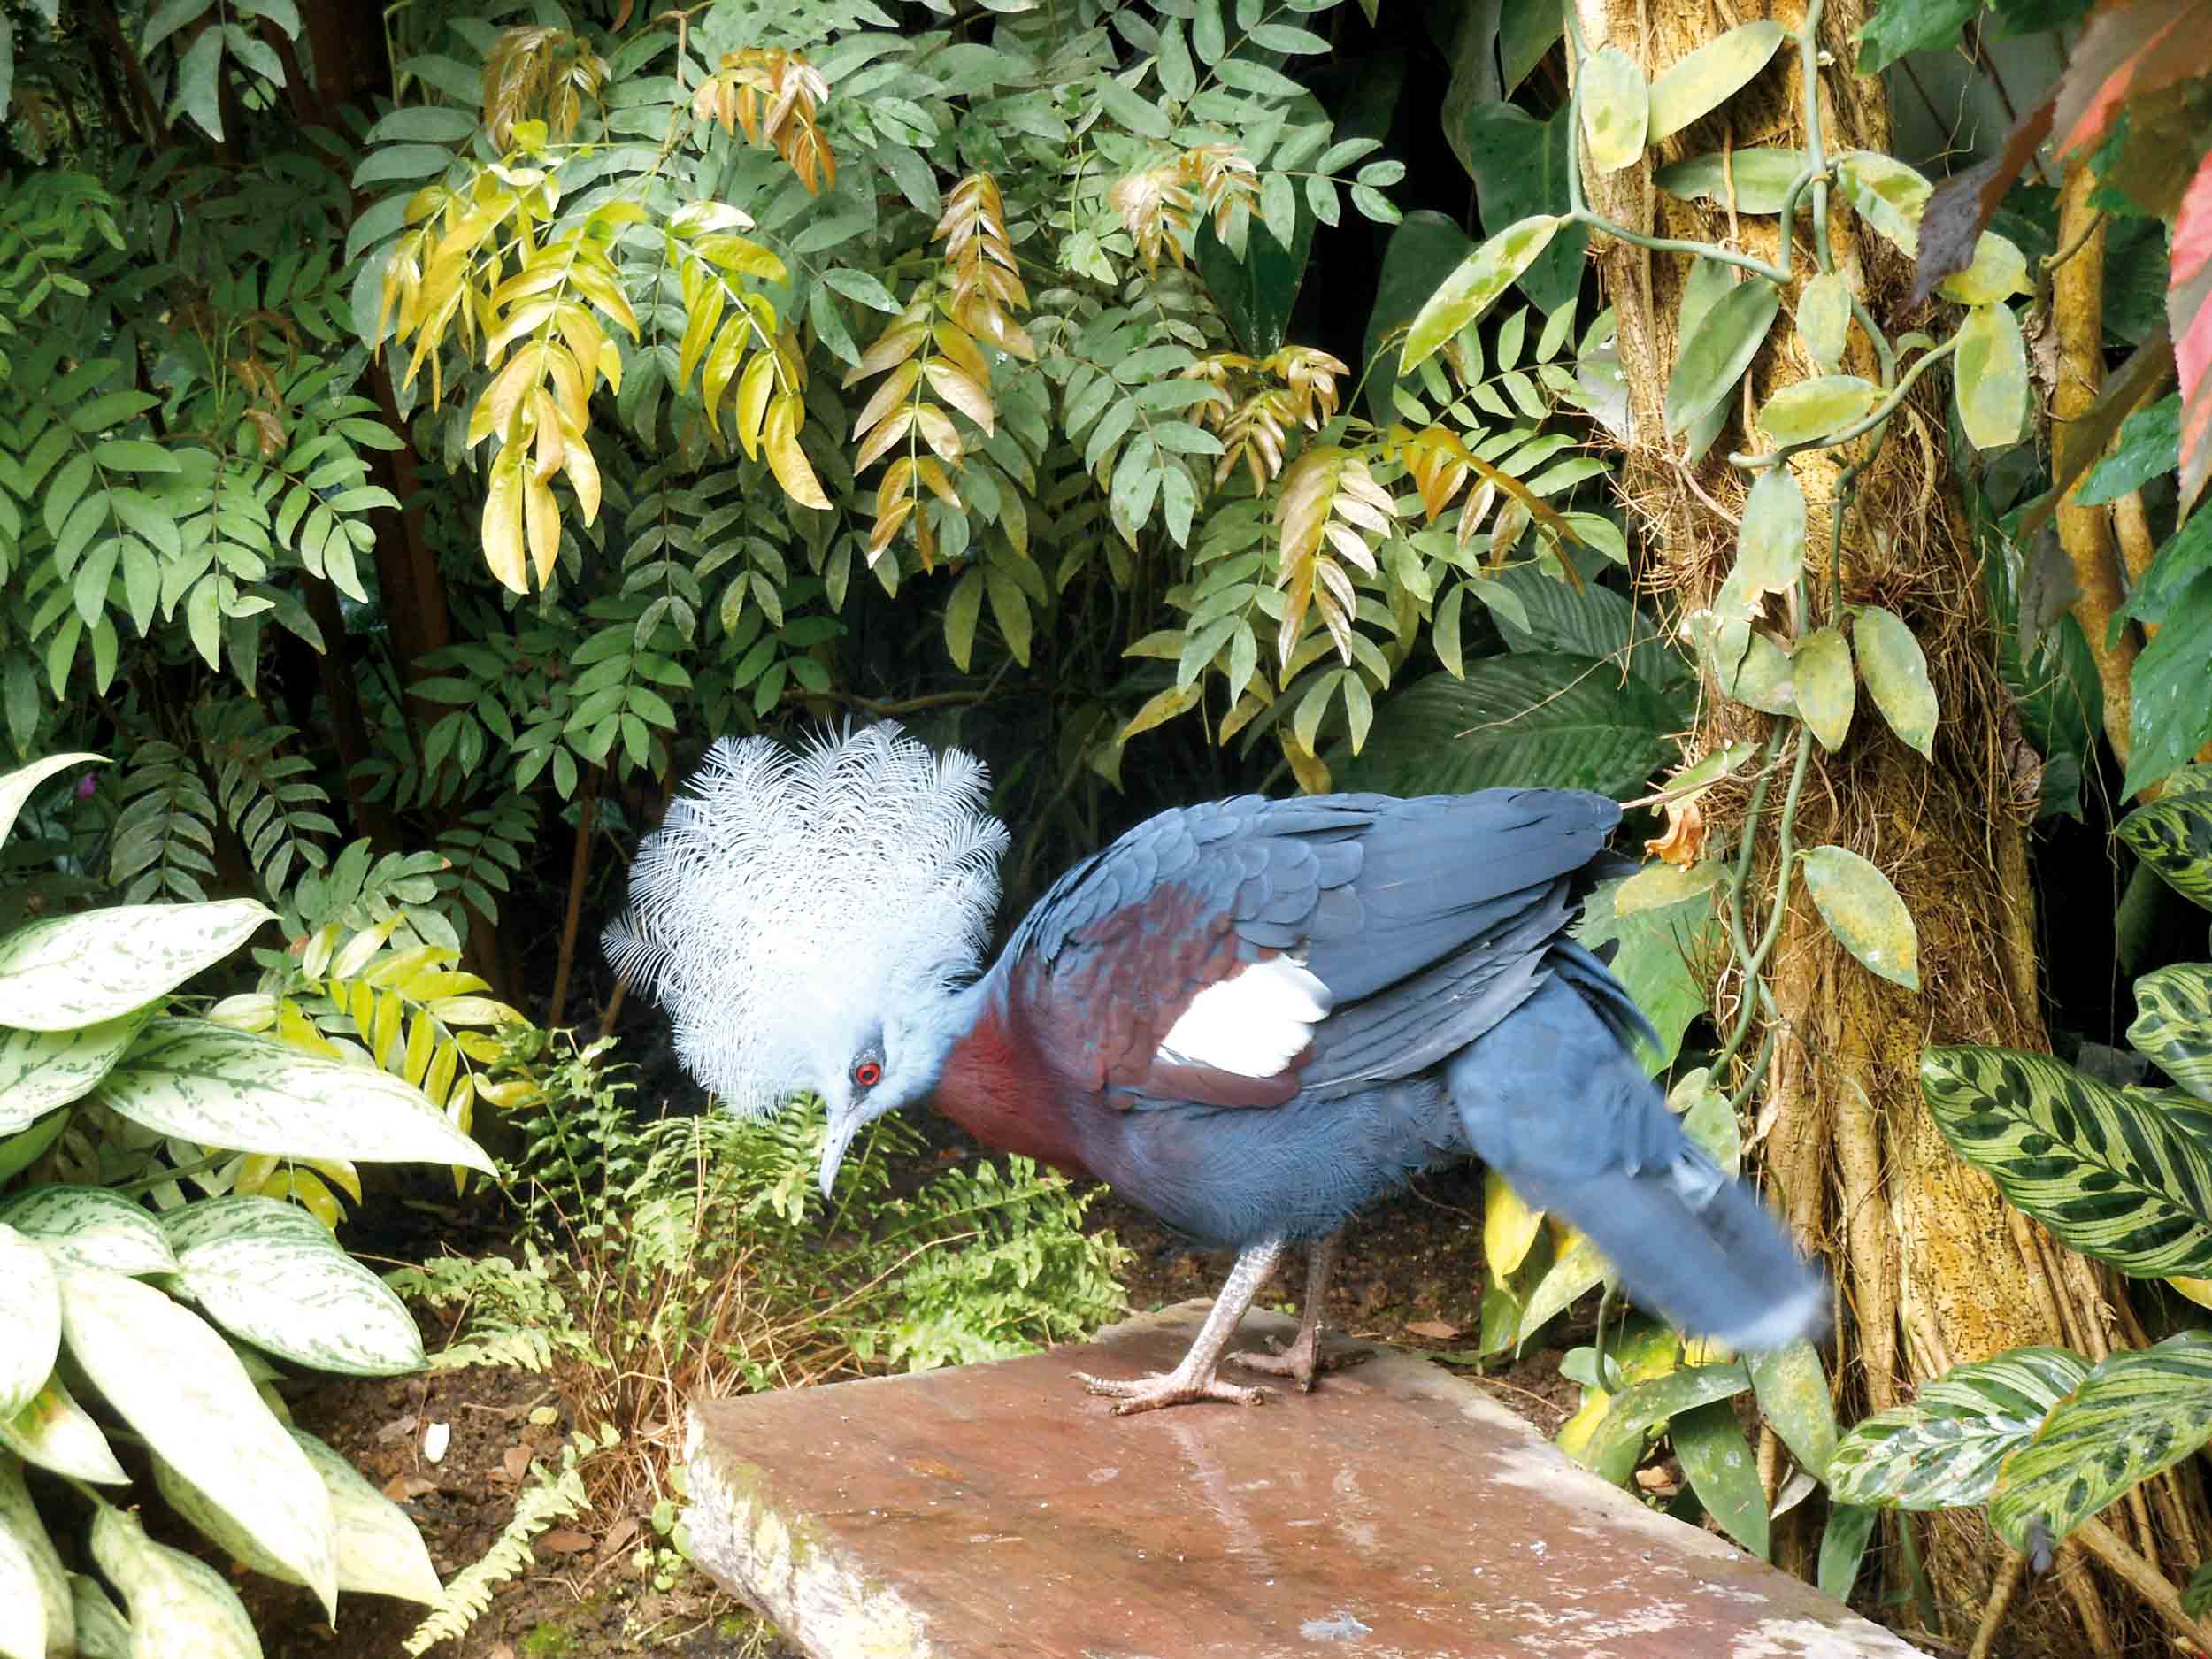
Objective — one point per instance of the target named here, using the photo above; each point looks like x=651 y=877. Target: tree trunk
x=1932 y=1268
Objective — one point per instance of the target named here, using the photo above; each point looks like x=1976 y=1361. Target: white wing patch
x=1252 y=1024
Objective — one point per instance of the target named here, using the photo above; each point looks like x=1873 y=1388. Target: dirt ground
x=1411 y=1276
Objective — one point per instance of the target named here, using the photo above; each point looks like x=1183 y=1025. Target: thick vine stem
x=1999 y=1598
x=2086 y=533
x=1754 y=959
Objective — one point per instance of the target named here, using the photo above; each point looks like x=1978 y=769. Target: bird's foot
x=1169 y=1389
x=1301 y=1361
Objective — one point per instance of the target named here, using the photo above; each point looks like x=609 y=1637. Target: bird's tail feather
x=1697 y=1247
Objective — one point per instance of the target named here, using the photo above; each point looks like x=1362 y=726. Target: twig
x=2108 y=1547
x=1999 y=1598
x=579 y=870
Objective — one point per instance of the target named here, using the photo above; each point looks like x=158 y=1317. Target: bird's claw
x=1302 y=1363
x=1168 y=1388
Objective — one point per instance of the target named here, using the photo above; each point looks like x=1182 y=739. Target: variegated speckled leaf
x=2141 y=1411
x=16 y=788
x=305 y=1300
x=178 y=1385
x=79 y=969
x=22 y=1610
x=207 y=1220
x=20 y=1524
x=2173 y=835
x=2112 y=1173
x=1942 y=1451
x=90 y=1226
x=2173 y=1025
x=221 y=1087
x=181 y=1606
x=30 y=1320
x=379 y=1552
x=40 y=1069
x=57 y=1433
x=103 y=1632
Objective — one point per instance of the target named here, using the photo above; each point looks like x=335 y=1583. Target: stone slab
x=1396 y=1512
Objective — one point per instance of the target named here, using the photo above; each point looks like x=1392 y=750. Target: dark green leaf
x=1520 y=169
x=2174 y=835
x=1727 y=339
x=1421 y=252
x=2171 y=714
x=1761 y=178
x=1718 y=1459
x=1843 y=1547
x=2121 y=1176
x=1533 y=719
x=2173 y=1025
x=1911 y=25
x=1617 y=1445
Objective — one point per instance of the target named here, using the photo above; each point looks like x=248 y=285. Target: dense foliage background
x=422 y=432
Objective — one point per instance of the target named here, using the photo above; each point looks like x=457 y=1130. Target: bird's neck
x=995 y=1084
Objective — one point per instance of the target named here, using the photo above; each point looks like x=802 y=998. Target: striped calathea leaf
x=2173 y=1025
x=2173 y=835
x=1943 y=1450
x=2137 y=1413
x=2125 y=1175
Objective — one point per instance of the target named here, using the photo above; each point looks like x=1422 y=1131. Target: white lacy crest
x=792 y=898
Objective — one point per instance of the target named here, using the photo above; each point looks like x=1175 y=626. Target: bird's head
x=806 y=917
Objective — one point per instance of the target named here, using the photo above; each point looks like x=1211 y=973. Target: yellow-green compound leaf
x=304 y=1300
x=1771 y=542
x=1895 y=670
x=2173 y=1025
x=1792 y=1389
x=16 y=786
x=1718 y=1459
x=219 y=1087
x=1827 y=694
x=2173 y=835
x=1819 y=408
x=2141 y=1411
x=1655 y=886
x=1475 y=286
x=1943 y=1450
x=2000 y=271
x=40 y=1069
x=379 y=1552
x=1726 y=340
x=178 y=1385
x=1615 y=109
x=56 y=1432
x=2126 y=1178
x=1709 y=77
x=30 y=1320
x=90 y=1226
x=179 y=1605
x=34 y=1616
x=1824 y=319
x=79 y=969
x=1991 y=370
x=1864 y=913
x=1886 y=194
x=1759 y=179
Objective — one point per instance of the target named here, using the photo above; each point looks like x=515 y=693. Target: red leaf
x=2189 y=320
x=2126 y=51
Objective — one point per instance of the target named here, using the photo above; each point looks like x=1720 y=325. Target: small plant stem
x=139 y=1188
x=1923 y=1592
x=579 y=873
x=1999 y=1598
x=2108 y=1547
x=1785 y=848
x=1816 y=155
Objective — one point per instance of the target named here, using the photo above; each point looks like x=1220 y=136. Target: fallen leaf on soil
x=1655 y=1480
x=516 y=1464
x=545 y=1415
x=563 y=1541
x=399 y=1488
x=1435 y=1329
x=397 y=1429
x=621 y=1533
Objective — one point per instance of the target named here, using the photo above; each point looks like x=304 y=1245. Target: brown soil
x=1411 y=1277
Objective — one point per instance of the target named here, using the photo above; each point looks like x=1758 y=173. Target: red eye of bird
x=867 y=1074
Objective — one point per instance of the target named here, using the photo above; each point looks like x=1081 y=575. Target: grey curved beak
x=844 y=1124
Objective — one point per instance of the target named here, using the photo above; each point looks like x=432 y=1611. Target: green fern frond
x=549 y=1498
